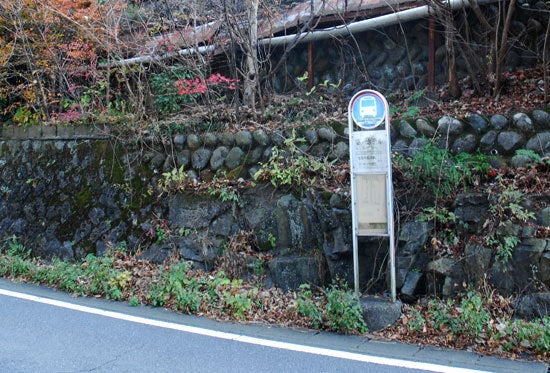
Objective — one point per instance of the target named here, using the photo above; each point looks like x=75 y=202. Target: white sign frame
x=370 y=168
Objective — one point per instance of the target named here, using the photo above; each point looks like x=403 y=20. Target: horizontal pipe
x=158 y=57
x=365 y=25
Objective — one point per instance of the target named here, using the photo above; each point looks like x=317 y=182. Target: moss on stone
x=83 y=198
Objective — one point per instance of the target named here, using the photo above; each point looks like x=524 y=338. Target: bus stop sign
x=368 y=110
x=370 y=169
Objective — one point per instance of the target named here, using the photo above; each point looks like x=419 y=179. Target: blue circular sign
x=368 y=110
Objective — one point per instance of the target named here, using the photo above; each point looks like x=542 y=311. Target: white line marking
x=244 y=339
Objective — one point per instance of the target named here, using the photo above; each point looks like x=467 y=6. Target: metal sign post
x=371 y=174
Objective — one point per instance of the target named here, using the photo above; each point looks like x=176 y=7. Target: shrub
x=343 y=312
x=442 y=172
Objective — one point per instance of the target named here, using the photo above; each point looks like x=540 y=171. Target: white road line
x=244 y=339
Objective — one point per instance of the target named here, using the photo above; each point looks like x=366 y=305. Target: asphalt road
x=42 y=330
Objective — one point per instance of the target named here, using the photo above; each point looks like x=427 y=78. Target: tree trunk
x=503 y=48
x=454 y=88
x=251 y=69
x=450 y=35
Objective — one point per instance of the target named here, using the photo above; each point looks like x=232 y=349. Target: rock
x=401 y=270
x=508 y=228
x=179 y=141
x=464 y=144
x=409 y=82
x=209 y=139
x=471 y=208
x=541 y=5
x=341 y=150
x=477 y=259
x=224 y=226
x=244 y=139
x=157 y=253
x=157 y=162
x=416 y=145
x=451 y=286
x=218 y=158
x=311 y=136
x=186 y=211
x=278 y=138
x=419 y=69
x=268 y=153
x=327 y=133
x=390 y=72
x=200 y=158
x=488 y=142
x=498 y=122
x=19 y=226
x=541 y=119
x=379 y=59
x=543 y=217
x=532 y=306
x=193 y=142
x=295 y=221
x=261 y=137
x=252 y=171
x=288 y=273
x=96 y=215
x=449 y=126
x=544 y=268
x=56 y=249
x=170 y=163
x=530 y=250
x=254 y=156
x=406 y=130
x=404 y=69
x=521 y=160
x=445 y=266
x=412 y=237
x=477 y=122
x=400 y=146
x=380 y=313
x=336 y=234
x=184 y=158
x=523 y=123
x=320 y=150
x=336 y=201
x=234 y=158
x=508 y=142
x=539 y=143
x=410 y=284
x=512 y=59
x=227 y=139
x=424 y=127
x=500 y=275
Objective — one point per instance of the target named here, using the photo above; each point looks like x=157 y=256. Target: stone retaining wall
x=70 y=191
x=205 y=154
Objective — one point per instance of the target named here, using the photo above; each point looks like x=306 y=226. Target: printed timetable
x=370 y=152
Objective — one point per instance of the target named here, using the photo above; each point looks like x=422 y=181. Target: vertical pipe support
x=311 y=77
x=431 y=54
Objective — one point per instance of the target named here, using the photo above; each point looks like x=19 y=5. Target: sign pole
x=371 y=179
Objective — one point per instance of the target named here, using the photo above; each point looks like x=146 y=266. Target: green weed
x=535 y=158
x=174 y=180
x=442 y=172
x=224 y=193
x=417 y=323
x=343 y=311
x=239 y=303
x=292 y=167
x=308 y=306
x=505 y=211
